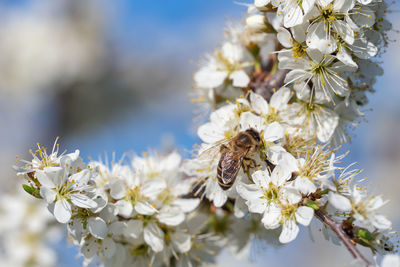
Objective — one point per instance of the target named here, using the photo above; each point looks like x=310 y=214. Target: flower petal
x=304 y=215
x=290 y=195
x=391 y=260
x=48 y=194
x=153 y=187
x=239 y=78
x=272 y=216
x=133 y=228
x=210 y=133
x=62 y=210
x=171 y=216
x=261 y=178
x=124 y=208
x=280 y=98
x=273 y=132
x=46 y=178
x=181 y=241
x=187 y=204
x=154 y=237
x=304 y=185
x=97 y=227
x=340 y=202
x=240 y=209
x=109 y=247
x=289 y=231
x=285 y=38
x=380 y=222
x=144 y=207
x=117 y=189
x=259 y=104
x=250 y=120
x=232 y=52
x=253 y=195
x=83 y=201
x=208 y=77
x=280 y=175
x=287 y=161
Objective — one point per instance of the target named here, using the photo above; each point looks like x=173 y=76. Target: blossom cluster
x=268 y=161
x=327 y=51
x=27 y=231
x=137 y=213
x=328 y=48
x=292 y=176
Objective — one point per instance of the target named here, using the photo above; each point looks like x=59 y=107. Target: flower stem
x=337 y=228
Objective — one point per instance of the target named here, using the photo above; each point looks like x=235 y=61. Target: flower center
x=165 y=197
x=229 y=67
x=272 y=193
x=328 y=13
x=271 y=117
x=139 y=250
x=289 y=211
x=298 y=50
x=133 y=195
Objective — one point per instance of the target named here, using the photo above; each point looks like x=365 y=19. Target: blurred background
x=116 y=76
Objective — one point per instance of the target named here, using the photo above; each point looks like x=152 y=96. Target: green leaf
x=365 y=235
x=31 y=190
x=323 y=192
x=312 y=204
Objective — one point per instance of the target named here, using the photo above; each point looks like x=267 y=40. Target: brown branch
x=337 y=228
x=265 y=85
x=269 y=78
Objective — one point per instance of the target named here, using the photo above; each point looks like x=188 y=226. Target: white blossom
x=271 y=196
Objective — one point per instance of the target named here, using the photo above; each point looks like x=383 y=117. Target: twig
x=337 y=228
x=265 y=85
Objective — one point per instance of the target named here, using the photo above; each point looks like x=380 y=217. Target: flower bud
x=256 y=22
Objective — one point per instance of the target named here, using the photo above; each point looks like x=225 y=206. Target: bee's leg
x=248 y=163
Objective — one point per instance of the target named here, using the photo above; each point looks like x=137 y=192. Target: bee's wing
x=229 y=166
x=211 y=152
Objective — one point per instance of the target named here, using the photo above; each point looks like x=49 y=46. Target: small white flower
x=227 y=64
x=270 y=111
x=277 y=202
x=326 y=74
x=41 y=160
x=134 y=193
x=223 y=125
x=332 y=19
x=365 y=210
x=293 y=42
x=63 y=190
x=313 y=120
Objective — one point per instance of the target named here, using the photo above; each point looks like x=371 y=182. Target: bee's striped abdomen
x=228 y=168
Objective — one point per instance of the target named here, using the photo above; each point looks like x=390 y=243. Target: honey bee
x=234 y=154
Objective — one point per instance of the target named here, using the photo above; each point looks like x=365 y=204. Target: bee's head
x=255 y=134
